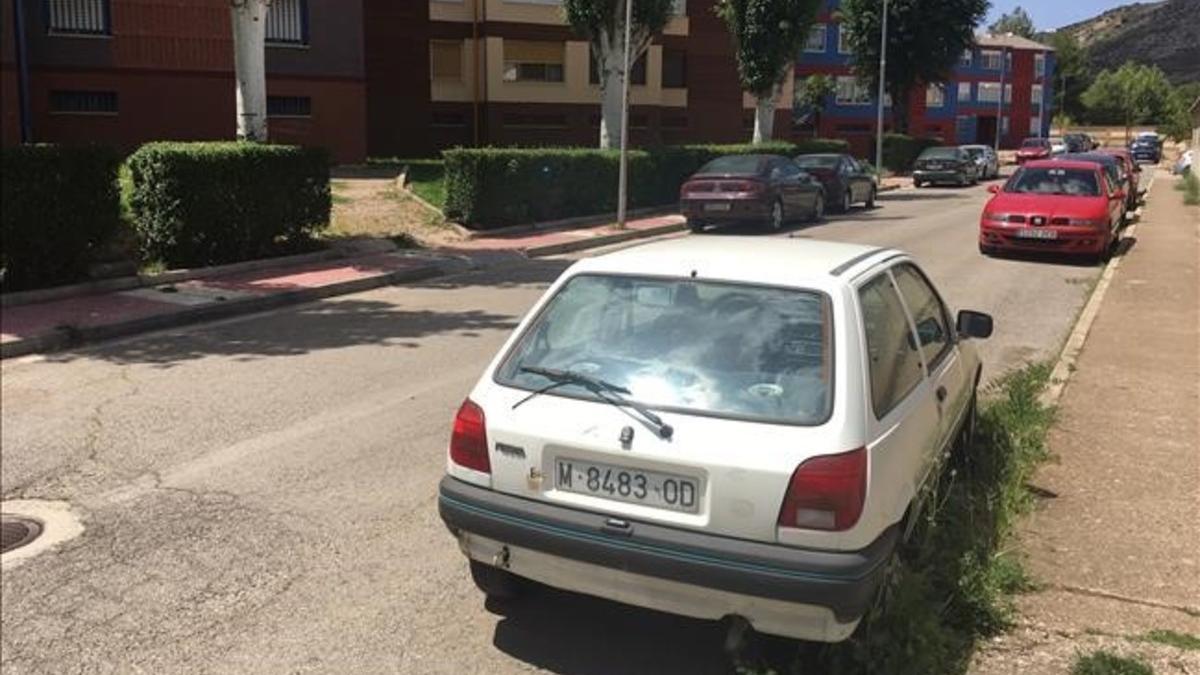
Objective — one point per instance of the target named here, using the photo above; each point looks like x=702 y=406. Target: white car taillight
x=468 y=442
x=826 y=492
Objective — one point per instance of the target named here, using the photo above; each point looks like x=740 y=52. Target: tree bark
x=764 y=114
x=249 y=63
x=609 y=52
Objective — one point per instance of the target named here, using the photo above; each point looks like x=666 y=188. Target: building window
x=78 y=17
x=965 y=59
x=529 y=61
x=637 y=72
x=445 y=60
x=83 y=102
x=962 y=127
x=1039 y=65
x=1036 y=94
x=935 y=96
x=1004 y=125
x=844 y=46
x=852 y=91
x=816 y=39
x=989 y=92
x=674 y=69
x=990 y=59
x=1035 y=125
x=964 y=91
x=289 y=106
x=1008 y=93
x=287 y=22
x=1008 y=61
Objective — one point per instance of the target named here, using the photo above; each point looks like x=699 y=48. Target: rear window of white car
x=712 y=348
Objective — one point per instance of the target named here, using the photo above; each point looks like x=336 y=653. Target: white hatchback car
x=714 y=427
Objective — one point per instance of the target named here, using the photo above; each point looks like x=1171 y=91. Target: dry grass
x=370 y=204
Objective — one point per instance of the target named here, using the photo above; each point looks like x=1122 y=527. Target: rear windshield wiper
x=607 y=391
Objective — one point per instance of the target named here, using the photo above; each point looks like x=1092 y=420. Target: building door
x=985 y=130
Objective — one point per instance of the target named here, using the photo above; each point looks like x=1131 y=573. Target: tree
x=602 y=22
x=1178 y=124
x=1016 y=22
x=1132 y=94
x=1071 y=76
x=766 y=34
x=249 y=65
x=812 y=94
x=925 y=40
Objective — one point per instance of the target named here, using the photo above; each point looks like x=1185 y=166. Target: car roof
x=794 y=261
x=1098 y=157
x=973 y=146
x=820 y=154
x=1058 y=163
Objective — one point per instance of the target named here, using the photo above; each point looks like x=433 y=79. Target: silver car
x=985 y=159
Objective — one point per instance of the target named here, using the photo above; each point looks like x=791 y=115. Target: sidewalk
x=1114 y=545
x=60 y=323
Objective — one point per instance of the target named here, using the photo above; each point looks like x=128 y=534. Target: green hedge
x=494 y=187
x=219 y=202
x=59 y=205
x=900 y=150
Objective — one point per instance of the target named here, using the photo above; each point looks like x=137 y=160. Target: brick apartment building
x=409 y=77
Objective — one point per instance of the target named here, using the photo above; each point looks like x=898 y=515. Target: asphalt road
x=259 y=494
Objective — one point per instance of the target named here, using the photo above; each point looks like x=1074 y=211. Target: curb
x=603 y=240
x=1061 y=375
x=65 y=337
x=574 y=222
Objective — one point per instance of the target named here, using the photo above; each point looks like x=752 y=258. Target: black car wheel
x=695 y=225
x=776 y=222
x=818 y=211
x=846 y=201
x=871 y=198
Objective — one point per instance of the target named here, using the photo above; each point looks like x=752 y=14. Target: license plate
x=650 y=488
x=716 y=207
x=934 y=165
x=1037 y=234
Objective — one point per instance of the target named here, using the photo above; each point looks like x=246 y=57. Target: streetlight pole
x=1000 y=100
x=623 y=178
x=879 y=112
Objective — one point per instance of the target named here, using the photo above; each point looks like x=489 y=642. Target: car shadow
x=576 y=634
x=1125 y=246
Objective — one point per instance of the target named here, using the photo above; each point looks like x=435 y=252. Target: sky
x=1051 y=14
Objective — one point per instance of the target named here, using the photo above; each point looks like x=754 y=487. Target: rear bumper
x=842 y=583
x=928 y=176
x=1071 y=240
x=740 y=209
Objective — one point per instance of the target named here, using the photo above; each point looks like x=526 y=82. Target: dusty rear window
x=723 y=349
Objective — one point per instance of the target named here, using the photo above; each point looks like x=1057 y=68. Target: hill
x=1165 y=34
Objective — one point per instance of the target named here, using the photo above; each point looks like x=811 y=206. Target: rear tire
x=987 y=250
x=966 y=434
x=496 y=583
x=818 y=211
x=871 y=199
x=777 y=216
x=847 y=201
x=695 y=226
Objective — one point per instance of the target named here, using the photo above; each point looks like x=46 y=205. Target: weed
x=1190 y=185
x=1170 y=637
x=1106 y=663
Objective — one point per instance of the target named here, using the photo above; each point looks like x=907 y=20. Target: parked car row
x=773 y=189
x=955 y=165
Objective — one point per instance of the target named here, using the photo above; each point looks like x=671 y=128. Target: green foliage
x=767 y=34
x=1071 y=74
x=812 y=94
x=1174 y=639
x=1016 y=22
x=221 y=202
x=1105 y=663
x=900 y=151
x=1178 y=124
x=926 y=38
x=1190 y=185
x=60 y=204
x=493 y=187
x=427 y=179
x=1132 y=94
x=598 y=19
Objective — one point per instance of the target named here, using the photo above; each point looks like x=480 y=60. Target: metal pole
x=624 y=171
x=1000 y=100
x=879 y=113
x=22 y=72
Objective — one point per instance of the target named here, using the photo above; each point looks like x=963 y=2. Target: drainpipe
x=22 y=72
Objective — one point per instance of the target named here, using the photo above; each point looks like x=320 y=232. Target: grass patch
x=1190 y=186
x=1106 y=663
x=1170 y=637
x=426 y=177
x=956 y=575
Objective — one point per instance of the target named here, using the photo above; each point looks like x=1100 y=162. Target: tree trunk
x=764 y=115
x=610 y=102
x=249 y=56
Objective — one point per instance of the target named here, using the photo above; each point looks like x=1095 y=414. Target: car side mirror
x=994 y=189
x=974 y=324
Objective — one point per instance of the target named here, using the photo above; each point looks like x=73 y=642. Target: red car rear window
x=1055 y=181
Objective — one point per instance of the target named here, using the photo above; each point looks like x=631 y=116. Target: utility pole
x=879 y=112
x=22 y=71
x=623 y=178
x=1000 y=100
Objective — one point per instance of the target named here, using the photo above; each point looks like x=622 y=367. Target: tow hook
x=501 y=558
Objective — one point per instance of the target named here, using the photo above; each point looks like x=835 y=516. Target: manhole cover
x=16 y=531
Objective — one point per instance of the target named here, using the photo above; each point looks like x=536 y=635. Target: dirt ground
x=367 y=202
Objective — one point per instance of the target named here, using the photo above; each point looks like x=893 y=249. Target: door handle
x=941 y=394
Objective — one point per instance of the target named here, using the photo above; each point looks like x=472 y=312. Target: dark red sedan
x=1054 y=205
x=767 y=189
x=1034 y=148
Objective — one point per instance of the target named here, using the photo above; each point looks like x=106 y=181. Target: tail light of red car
x=468 y=441
x=826 y=492
x=751 y=186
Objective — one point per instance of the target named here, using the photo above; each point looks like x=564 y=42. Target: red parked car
x=1034 y=148
x=1132 y=172
x=1053 y=205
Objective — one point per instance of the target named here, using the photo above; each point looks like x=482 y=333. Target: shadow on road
x=575 y=634
x=924 y=194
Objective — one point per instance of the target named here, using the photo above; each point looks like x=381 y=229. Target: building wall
x=171 y=66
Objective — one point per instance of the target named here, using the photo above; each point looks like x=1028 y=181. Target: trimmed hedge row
x=60 y=204
x=220 y=202
x=492 y=187
x=901 y=150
